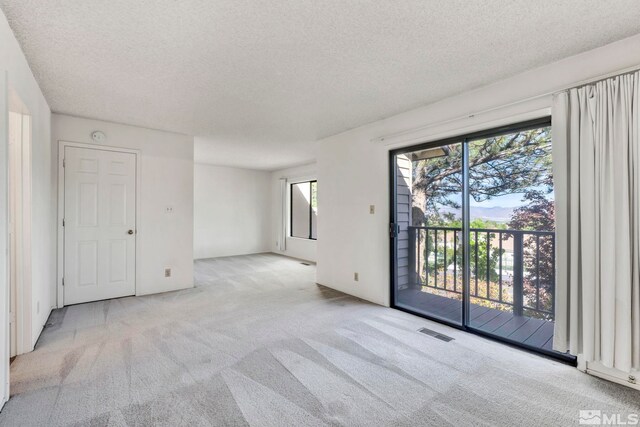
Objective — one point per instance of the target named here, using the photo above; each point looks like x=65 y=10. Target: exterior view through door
x=473 y=233
x=99 y=224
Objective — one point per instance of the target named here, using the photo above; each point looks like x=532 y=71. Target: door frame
x=463 y=139
x=62 y=145
x=19 y=255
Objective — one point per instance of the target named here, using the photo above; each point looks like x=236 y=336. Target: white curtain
x=596 y=160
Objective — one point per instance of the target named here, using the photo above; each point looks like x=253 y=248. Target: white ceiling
x=257 y=81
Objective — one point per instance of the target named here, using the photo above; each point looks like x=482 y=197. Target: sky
x=497 y=208
x=506 y=201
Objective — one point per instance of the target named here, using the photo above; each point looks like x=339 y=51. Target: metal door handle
x=130 y=232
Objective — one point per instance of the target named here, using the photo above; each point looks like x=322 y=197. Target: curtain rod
x=581 y=83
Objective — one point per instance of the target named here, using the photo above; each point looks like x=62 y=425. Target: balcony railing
x=511 y=270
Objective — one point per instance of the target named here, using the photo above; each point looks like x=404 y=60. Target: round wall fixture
x=98 y=136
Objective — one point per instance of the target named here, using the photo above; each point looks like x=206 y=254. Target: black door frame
x=463 y=139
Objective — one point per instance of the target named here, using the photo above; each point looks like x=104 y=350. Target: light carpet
x=258 y=343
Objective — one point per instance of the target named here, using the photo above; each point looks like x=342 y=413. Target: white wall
x=4 y=282
x=165 y=240
x=353 y=170
x=16 y=76
x=232 y=211
x=295 y=247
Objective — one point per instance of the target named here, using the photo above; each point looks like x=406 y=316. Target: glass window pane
x=512 y=236
x=300 y=200
x=429 y=249
x=314 y=209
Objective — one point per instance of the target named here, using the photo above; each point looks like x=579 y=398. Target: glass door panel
x=512 y=237
x=428 y=246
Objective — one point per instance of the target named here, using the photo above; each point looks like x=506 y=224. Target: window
x=304 y=210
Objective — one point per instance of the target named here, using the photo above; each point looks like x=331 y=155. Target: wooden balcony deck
x=534 y=332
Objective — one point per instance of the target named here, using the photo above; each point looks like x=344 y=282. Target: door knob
x=130 y=232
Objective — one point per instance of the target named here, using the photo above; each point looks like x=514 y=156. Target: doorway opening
x=473 y=233
x=19 y=180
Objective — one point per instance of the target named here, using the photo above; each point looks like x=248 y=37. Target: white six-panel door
x=99 y=224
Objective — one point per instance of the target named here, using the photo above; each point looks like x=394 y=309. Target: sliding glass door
x=473 y=233
x=428 y=207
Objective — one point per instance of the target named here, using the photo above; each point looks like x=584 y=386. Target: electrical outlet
x=168 y=209
x=355 y=277
x=372 y=209
x=167 y=272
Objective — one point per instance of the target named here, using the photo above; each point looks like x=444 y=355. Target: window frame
x=291 y=184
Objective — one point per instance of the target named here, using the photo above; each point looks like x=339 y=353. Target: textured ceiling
x=256 y=81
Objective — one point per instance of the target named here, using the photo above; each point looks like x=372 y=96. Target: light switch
x=372 y=209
